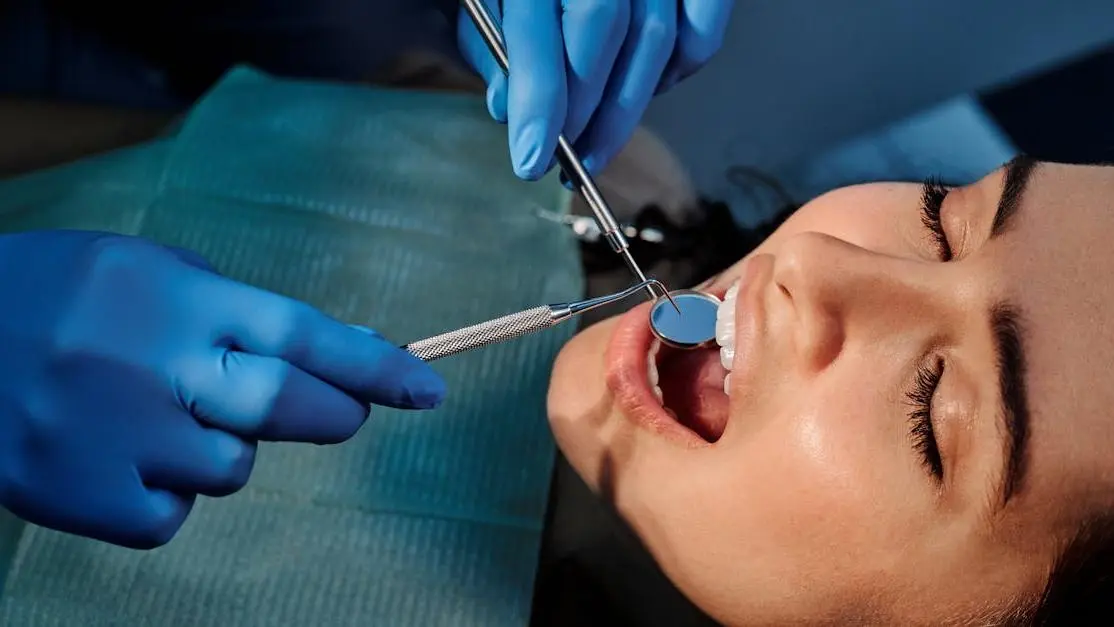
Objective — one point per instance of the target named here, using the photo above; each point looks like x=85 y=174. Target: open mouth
x=680 y=393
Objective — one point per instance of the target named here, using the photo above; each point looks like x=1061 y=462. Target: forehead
x=1058 y=265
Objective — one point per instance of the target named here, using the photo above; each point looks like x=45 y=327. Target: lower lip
x=626 y=359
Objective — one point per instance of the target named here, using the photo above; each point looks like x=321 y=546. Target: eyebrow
x=1013 y=411
x=1018 y=172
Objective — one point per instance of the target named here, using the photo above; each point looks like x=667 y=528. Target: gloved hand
x=133 y=377
x=587 y=68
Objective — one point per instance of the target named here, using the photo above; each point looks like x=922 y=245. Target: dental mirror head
x=693 y=328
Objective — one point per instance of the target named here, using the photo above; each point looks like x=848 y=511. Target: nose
x=838 y=292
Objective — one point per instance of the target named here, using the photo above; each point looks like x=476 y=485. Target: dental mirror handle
x=514 y=325
x=570 y=162
x=478 y=335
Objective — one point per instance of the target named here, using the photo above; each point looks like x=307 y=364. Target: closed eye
x=921 y=429
x=933 y=194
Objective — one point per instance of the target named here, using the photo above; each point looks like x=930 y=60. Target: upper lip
x=750 y=316
x=626 y=360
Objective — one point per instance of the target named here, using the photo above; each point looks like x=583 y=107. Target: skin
x=814 y=506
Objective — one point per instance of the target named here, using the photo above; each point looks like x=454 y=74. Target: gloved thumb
x=191 y=258
x=478 y=55
x=497 y=97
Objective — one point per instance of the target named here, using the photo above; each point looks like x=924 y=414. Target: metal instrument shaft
x=514 y=325
x=571 y=163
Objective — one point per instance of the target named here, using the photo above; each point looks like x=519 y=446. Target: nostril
x=785 y=291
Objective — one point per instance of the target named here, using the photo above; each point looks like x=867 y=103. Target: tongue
x=692 y=386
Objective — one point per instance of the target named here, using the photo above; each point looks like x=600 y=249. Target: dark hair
x=1080 y=587
x=708 y=245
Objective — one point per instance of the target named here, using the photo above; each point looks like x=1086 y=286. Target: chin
x=579 y=404
x=637 y=453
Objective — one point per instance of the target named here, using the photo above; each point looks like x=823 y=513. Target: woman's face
x=917 y=413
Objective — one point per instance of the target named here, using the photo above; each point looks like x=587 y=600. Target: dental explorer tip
x=671 y=301
x=652 y=283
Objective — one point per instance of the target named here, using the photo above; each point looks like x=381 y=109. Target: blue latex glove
x=133 y=377
x=588 y=68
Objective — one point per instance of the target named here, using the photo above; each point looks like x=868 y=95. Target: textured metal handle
x=482 y=334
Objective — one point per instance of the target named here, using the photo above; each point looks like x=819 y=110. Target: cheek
x=807 y=464
x=839 y=437
x=786 y=516
x=822 y=474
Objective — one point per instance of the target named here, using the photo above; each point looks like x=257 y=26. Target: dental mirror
x=693 y=328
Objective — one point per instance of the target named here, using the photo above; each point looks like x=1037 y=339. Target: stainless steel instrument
x=515 y=325
x=570 y=162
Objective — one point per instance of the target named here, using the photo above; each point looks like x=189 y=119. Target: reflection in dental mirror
x=694 y=327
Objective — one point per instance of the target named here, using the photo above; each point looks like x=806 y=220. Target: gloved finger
x=593 y=34
x=267 y=398
x=478 y=55
x=156 y=519
x=642 y=60
x=369 y=368
x=166 y=513
x=537 y=94
x=196 y=459
x=191 y=258
x=700 y=35
x=131 y=514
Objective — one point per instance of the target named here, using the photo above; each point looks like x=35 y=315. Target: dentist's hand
x=588 y=68
x=133 y=377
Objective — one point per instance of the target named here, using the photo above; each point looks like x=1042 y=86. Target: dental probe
x=514 y=325
x=570 y=162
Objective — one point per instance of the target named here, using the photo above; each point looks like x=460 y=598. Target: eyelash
x=920 y=417
x=932 y=201
x=928 y=376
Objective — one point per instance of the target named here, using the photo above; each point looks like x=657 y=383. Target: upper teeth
x=725 y=333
